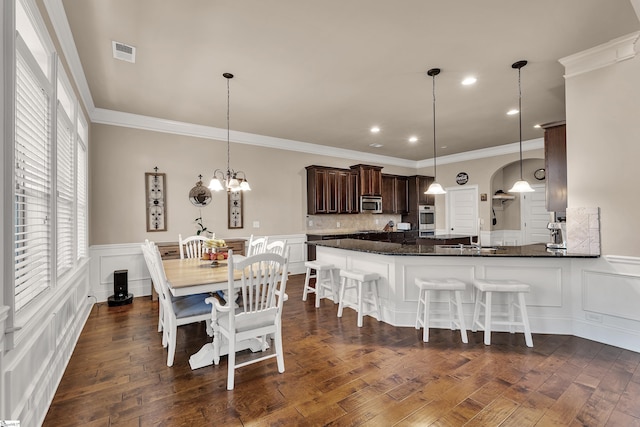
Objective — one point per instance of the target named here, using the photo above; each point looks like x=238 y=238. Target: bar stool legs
x=486 y=288
x=365 y=285
x=423 y=317
x=326 y=281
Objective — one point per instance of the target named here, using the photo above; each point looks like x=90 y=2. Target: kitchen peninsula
x=550 y=275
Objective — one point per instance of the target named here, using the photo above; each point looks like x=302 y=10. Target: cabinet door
x=555 y=161
x=388 y=194
x=402 y=195
x=370 y=178
x=347 y=192
x=316 y=190
x=423 y=183
x=332 y=196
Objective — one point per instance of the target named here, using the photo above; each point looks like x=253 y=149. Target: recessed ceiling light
x=413 y=139
x=537 y=126
x=469 y=81
x=512 y=112
x=375 y=129
x=375 y=145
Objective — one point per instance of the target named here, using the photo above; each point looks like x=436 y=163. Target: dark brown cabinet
x=555 y=162
x=369 y=179
x=416 y=186
x=395 y=194
x=331 y=191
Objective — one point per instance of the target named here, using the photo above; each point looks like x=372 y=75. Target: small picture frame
x=156 y=198
x=483 y=197
x=235 y=209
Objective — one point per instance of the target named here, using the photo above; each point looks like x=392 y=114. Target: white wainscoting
x=30 y=372
x=105 y=259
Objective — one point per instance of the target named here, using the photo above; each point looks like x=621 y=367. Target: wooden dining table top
x=183 y=273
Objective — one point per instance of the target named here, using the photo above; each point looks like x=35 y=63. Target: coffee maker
x=558 y=227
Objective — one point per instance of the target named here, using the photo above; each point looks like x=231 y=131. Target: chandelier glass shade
x=230 y=179
x=434 y=188
x=521 y=186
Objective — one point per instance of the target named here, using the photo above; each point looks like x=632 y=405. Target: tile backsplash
x=331 y=223
x=583 y=230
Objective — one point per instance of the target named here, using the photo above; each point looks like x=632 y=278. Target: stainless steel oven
x=426 y=220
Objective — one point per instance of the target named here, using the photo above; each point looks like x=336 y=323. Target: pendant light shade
x=521 y=186
x=434 y=188
x=233 y=181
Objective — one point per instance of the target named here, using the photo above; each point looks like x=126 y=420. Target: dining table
x=191 y=276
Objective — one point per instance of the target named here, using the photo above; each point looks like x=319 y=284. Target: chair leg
x=463 y=328
x=343 y=283
x=231 y=360
x=360 y=304
x=525 y=320
x=306 y=285
x=171 y=351
x=319 y=287
x=420 y=303
x=476 y=311
x=425 y=319
x=487 y=318
x=511 y=313
x=278 y=348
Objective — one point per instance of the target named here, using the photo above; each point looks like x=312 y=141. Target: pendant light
x=434 y=188
x=521 y=186
x=233 y=181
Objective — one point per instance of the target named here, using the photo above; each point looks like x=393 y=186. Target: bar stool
x=366 y=286
x=325 y=281
x=487 y=287
x=454 y=288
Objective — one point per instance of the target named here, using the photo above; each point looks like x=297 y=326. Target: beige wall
x=603 y=148
x=120 y=156
x=481 y=173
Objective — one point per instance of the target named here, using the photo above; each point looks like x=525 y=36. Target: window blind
x=81 y=198
x=65 y=192
x=32 y=192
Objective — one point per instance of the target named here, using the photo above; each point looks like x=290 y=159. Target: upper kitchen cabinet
x=331 y=191
x=369 y=179
x=395 y=194
x=416 y=186
x=555 y=162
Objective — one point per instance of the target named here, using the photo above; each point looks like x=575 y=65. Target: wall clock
x=462 y=178
x=200 y=195
x=540 y=174
x=155 y=184
x=235 y=209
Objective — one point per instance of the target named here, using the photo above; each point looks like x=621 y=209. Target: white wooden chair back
x=192 y=246
x=277 y=247
x=257 y=245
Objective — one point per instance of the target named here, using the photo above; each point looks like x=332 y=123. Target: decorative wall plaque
x=155 y=184
x=200 y=195
x=462 y=178
x=235 y=209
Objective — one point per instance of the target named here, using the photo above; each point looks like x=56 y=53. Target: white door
x=462 y=210
x=535 y=216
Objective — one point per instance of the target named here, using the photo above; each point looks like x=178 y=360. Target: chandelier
x=230 y=179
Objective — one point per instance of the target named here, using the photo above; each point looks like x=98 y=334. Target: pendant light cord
x=435 y=175
x=228 y=144
x=520 y=120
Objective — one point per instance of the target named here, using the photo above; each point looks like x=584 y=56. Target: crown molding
x=58 y=18
x=612 y=52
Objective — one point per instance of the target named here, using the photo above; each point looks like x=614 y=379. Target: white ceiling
x=324 y=72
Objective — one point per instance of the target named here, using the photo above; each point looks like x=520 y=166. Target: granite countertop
x=446 y=236
x=351 y=232
x=384 y=248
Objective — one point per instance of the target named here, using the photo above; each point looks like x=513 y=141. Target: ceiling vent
x=124 y=52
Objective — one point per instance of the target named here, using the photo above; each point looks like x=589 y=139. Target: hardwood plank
x=339 y=374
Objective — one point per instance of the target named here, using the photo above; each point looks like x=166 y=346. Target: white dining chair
x=258 y=314
x=277 y=247
x=192 y=246
x=256 y=245
x=175 y=311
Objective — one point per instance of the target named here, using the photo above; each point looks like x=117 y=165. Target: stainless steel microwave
x=370 y=204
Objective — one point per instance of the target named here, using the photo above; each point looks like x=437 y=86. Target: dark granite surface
x=384 y=248
x=446 y=236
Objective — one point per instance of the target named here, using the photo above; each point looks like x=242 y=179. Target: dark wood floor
x=338 y=374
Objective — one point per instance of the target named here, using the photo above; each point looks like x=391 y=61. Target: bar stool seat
x=366 y=287
x=486 y=287
x=454 y=288
x=326 y=281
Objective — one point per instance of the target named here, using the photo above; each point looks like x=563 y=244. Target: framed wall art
x=156 y=198
x=235 y=209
